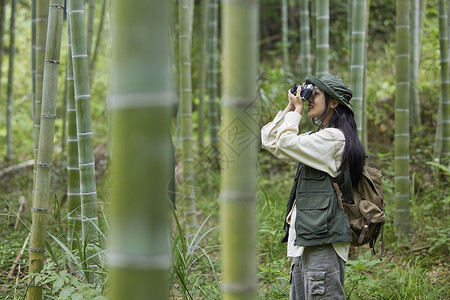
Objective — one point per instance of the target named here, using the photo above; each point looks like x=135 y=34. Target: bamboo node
x=79 y=55
x=88 y=193
x=56 y=6
x=73 y=194
x=76 y=11
x=44 y=165
x=52 y=62
x=34 y=284
x=37 y=250
x=48 y=116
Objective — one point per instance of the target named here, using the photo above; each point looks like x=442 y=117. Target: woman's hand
x=296 y=101
x=289 y=107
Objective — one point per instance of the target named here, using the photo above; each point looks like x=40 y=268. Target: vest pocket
x=312 y=214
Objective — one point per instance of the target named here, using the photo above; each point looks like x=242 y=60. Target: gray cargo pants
x=317 y=274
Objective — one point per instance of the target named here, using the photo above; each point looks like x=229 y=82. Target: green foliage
x=193 y=264
x=273 y=275
x=371 y=279
x=64 y=285
x=439 y=239
x=359 y=275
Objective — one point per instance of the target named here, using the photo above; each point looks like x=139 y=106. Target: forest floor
x=413 y=269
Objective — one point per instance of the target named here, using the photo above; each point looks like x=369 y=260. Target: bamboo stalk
x=9 y=152
x=305 y=40
x=240 y=123
x=401 y=142
x=284 y=35
x=213 y=60
x=86 y=162
x=45 y=153
x=141 y=102
x=90 y=27
x=73 y=171
x=445 y=84
x=2 y=31
x=33 y=59
x=314 y=32
x=349 y=25
x=186 y=115
x=203 y=66
x=41 y=36
x=99 y=38
x=414 y=66
x=357 y=61
x=322 y=39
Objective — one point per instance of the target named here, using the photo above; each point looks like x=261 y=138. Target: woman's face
x=316 y=104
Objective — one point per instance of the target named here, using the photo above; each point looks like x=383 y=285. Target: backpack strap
x=338 y=192
x=365 y=228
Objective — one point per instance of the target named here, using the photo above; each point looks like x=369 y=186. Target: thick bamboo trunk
x=45 y=153
x=401 y=143
x=9 y=152
x=184 y=17
x=73 y=171
x=86 y=162
x=141 y=103
x=239 y=136
x=357 y=61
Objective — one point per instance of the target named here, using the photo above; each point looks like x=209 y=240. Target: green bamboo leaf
x=77 y=296
x=64 y=247
x=57 y=284
x=66 y=292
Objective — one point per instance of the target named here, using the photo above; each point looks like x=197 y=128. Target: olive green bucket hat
x=333 y=86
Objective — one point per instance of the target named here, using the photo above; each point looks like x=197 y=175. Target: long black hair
x=344 y=120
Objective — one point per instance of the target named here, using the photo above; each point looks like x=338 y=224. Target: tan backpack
x=366 y=216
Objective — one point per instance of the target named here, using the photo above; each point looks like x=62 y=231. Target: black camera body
x=305 y=92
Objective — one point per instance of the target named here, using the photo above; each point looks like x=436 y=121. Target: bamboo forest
x=132 y=160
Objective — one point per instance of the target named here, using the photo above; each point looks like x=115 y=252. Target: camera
x=305 y=92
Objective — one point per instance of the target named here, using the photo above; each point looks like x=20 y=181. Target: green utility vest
x=320 y=219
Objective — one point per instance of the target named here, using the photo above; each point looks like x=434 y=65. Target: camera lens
x=294 y=88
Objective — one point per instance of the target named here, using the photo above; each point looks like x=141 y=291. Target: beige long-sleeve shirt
x=322 y=150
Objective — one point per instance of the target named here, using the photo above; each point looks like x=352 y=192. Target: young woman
x=317 y=231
